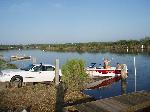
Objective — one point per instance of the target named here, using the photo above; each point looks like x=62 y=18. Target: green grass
x=6 y=65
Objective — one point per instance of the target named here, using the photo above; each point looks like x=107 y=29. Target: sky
x=69 y=21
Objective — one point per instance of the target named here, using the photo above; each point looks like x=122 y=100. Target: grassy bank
x=39 y=98
x=6 y=65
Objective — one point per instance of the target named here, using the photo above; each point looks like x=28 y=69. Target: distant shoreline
x=121 y=46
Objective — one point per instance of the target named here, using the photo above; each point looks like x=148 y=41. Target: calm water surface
x=142 y=65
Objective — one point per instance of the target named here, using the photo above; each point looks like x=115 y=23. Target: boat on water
x=15 y=58
x=110 y=74
x=99 y=71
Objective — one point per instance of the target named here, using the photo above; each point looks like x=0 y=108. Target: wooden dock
x=133 y=102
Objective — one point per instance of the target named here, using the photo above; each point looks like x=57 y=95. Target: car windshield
x=28 y=67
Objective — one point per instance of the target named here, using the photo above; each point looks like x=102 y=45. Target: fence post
x=57 y=72
x=33 y=60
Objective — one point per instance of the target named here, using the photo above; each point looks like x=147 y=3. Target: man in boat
x=119 y=66
x=106 y=64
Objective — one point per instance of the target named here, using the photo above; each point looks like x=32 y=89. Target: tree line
x=116 y=46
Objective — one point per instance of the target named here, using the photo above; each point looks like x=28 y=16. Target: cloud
x=21 y=6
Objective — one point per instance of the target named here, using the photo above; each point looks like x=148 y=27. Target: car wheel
x=16 y=81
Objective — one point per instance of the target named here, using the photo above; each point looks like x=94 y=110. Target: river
x=142 y=66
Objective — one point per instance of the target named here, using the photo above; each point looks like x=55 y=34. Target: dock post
x=123 y=86
x=57 y=72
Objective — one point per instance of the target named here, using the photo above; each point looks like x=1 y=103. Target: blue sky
x=63 y=21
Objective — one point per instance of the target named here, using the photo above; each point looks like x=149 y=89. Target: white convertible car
x=31 y=73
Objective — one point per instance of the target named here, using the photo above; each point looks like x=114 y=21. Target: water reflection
x=123 y=86
x=108 y=88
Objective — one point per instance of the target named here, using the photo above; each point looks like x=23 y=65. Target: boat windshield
x=92 y=65
x=27 y=68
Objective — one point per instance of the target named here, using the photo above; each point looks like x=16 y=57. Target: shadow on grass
x=85 y=100
x=60 y=103
x=60 y=93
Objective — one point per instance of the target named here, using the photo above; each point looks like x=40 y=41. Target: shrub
x=74 y=74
